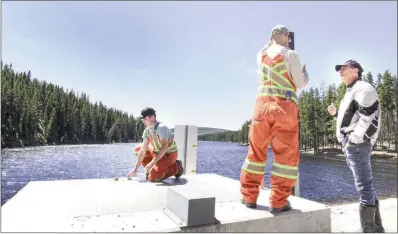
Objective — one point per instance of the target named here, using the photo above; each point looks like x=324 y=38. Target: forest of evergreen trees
x=317 y=127
x=36 y=113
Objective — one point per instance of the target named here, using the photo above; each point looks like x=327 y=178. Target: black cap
x=147 y=111
x=351 y=63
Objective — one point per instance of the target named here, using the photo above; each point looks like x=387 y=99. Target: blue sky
x=194 y=62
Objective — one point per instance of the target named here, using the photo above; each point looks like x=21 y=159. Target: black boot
x=367 y=218
x=180 y=169
x=248 y=205
x=286 y=207
x=379 y=225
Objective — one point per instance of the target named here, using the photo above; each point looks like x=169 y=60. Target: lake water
x=324 y=180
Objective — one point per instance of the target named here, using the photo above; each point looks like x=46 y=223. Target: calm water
x=325 y=180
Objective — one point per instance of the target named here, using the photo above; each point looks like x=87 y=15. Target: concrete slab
x=131 y=206
x=140 y=221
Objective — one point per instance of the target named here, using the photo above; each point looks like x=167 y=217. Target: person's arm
x=143 y=149
x=337 y=112
x=367 y=103
x=300 y=78
x=162 y=130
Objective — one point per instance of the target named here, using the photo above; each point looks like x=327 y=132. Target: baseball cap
x=279 y=29
x=147 y=111
x=352 y=63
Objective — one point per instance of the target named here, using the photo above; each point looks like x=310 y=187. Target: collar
x=156 y=125
x=353 y=83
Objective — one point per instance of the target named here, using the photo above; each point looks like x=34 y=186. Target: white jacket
x=359 y=114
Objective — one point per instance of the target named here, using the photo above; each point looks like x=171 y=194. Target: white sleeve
x=300 y=78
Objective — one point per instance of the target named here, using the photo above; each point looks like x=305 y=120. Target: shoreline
x=330 y=153
x=13 y=147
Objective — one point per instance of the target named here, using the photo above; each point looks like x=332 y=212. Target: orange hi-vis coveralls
x=275 y=118
x=166 y=166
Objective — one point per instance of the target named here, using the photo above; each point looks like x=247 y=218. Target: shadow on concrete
x=262 y=207
x=266 y=208
x=173 y=182
x=292 y=211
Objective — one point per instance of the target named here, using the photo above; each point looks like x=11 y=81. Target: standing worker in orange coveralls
x=160 y=160
x=275 y=118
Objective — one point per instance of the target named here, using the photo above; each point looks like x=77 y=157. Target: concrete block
x=191 y=204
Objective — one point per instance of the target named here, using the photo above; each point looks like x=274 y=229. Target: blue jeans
x=358 y=159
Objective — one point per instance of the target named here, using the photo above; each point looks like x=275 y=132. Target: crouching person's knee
x=155 y=176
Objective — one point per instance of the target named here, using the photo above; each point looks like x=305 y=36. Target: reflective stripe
x=285 y=171
x=157 y=145
x=279 y=67
x=266 y=90
x=253 y=167
x=155 y=142
x=173 y=148
x=276 y=76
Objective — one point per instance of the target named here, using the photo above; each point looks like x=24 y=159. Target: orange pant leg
x=252 y=173
x=149 y=154
x=165 y=168
x=285 y=147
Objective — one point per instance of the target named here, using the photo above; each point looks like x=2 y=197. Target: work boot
x=280 y=210
x=379 y=225
x=180 y=168
x=248 y=205
x=367 y=218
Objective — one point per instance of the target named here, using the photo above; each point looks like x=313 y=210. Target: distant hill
x=206 y=130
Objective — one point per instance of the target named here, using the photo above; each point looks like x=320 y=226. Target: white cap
x=279 y=29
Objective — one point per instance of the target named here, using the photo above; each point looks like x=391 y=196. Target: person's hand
x=304 y=68
x=132 y=173
x=149 y=166
x=332 y=109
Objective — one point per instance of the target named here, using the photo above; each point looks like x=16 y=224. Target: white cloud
x=137 y=71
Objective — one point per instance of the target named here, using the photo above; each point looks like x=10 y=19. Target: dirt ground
x=345 y=218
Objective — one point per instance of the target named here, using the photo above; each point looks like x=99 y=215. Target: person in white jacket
x=357 y=128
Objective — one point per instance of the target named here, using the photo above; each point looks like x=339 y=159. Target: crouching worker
x=158 y=153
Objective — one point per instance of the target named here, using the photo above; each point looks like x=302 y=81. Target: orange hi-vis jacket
x=275 y=78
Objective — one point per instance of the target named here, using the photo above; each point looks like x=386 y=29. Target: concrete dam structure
x=192 y=203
